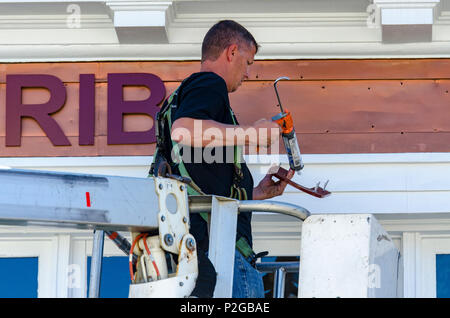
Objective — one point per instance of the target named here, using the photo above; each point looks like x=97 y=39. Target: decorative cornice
x=187 y=51
x=286 y=29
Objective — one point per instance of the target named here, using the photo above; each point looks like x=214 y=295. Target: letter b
x=117 y=106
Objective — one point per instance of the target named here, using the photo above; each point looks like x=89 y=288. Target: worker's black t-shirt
x=204 y=96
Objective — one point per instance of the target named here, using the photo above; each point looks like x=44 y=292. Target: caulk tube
x=284 y=120
x=293 y=151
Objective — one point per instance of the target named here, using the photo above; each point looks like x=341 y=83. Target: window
x=443 y=275
x=115 y=279
x=19 y=277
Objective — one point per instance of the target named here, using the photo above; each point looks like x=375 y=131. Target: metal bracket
x=173 y=216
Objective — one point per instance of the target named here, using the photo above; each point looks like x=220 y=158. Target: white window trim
x=431 y=246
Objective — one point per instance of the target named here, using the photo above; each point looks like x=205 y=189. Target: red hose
x=131 y=255
x=142 y=235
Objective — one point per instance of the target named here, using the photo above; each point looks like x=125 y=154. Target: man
x=202 y=103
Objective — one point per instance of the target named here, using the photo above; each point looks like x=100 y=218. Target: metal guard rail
x=200 y=204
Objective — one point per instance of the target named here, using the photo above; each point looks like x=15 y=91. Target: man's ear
x=231 y=52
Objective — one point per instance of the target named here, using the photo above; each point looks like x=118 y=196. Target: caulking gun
x=284 y=120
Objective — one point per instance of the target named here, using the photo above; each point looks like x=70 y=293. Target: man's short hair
x=223 y=34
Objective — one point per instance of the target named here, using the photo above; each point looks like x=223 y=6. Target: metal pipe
x=270 y=267
x=279 y=282
x=274 y=206
x=200 y=204
x=96 y=264
x=276 y=91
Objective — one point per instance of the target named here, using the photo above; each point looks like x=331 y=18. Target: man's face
x=244 y=57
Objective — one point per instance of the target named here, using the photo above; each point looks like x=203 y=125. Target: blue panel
x=115 y=278
x=443 y=275
x=19 y=277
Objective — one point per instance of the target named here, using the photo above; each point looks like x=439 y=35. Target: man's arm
x=202 y=133
x=198 y=133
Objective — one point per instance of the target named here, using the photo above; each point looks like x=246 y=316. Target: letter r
x=15 y=109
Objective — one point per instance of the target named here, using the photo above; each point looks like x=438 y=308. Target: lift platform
x=111 y=203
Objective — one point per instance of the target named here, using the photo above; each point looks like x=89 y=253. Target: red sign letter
x=15 y=110
x=117 y=107
x=86 y=125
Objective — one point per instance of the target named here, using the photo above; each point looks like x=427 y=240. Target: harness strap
x=165 y=114
x=244 y=248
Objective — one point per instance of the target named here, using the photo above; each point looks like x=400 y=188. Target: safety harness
x=163 y=118
x=163 y=121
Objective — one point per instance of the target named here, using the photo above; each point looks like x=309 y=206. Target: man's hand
x=267 y=188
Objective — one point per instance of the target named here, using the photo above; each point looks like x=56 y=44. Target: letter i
x=86 y=125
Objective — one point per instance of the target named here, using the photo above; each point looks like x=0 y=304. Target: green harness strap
x=177 y=157
x=243 y=247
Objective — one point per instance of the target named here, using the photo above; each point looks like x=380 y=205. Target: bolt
x=160 y=186
x=190 y=244
x=163 y=218
x=168 y=239
x=185 y=220
x=181 y=188
x=181 y=284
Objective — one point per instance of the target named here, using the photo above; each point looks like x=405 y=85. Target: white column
x=63 y=265
x=222 y=243
x=348 y=255
x=411 y=262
